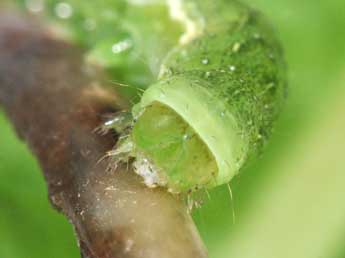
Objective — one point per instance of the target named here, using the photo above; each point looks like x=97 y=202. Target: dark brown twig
x=55 y=105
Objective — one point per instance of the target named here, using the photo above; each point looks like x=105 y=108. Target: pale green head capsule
x=217 y=79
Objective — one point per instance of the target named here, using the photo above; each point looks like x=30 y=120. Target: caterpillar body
x=217 y=82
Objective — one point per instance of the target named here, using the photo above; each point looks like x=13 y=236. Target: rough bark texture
x=55 y=103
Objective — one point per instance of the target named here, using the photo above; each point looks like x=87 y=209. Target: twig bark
x=55 y=104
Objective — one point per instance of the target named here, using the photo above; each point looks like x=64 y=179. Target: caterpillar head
x=217 y=82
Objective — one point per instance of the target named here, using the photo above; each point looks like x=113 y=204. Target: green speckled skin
x=245 y=69
x=224 y=83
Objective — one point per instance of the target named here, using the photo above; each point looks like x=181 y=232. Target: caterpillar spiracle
x=215 y=74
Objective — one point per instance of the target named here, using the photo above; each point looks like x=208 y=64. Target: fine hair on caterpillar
x=214 y=79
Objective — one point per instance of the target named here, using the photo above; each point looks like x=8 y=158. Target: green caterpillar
x=216 y=74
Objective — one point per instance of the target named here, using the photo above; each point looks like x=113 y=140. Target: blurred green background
x=289 y=203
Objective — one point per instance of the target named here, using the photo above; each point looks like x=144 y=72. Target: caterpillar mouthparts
x=217 y=77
